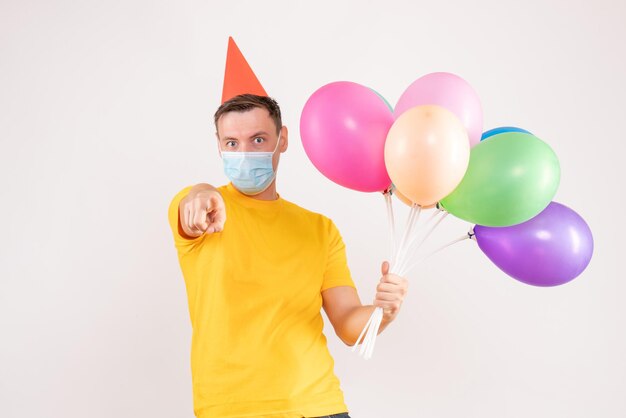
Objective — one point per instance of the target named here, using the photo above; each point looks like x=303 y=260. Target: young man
x=258 y=269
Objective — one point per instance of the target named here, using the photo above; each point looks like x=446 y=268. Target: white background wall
x=106 y=112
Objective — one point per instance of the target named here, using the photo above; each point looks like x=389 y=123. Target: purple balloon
x=550 y=249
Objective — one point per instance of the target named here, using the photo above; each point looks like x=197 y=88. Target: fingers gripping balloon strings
x=370 y=331
x=401 y=255
x=378 y=312
x=392 y=245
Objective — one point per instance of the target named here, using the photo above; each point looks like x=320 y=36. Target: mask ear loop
x=277 y=142
x=275 y=171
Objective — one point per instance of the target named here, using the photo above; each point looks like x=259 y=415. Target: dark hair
x=245 y=102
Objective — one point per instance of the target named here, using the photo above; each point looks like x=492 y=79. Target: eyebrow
x=253 y=135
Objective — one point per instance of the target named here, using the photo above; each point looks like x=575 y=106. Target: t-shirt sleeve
x=182 y=244
x=337 y=272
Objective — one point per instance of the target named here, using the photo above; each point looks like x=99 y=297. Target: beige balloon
x=407 y=201
x=427 y=153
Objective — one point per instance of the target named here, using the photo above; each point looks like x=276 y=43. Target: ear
x=284 y=139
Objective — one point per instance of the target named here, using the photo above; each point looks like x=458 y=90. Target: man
x=258 y=269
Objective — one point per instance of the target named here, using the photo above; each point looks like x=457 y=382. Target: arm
x=348 y=316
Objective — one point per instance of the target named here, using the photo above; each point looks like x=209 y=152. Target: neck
x=267 y=194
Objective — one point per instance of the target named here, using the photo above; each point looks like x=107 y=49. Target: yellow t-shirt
x=254 y=294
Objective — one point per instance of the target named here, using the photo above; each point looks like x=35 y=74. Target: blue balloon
x=501 y=130
x=382 y=98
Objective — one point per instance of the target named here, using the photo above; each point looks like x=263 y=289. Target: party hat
x=238 y=76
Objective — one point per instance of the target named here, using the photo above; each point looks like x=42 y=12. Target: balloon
x=449 y=91
x=511 y=178
x=426 y=153
x=552 y=248
x=383 y=99
x=406 y=200
x=343 y=127
x=501 y=130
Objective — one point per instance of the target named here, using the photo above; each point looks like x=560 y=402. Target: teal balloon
x=382 y=98
x=510 y=179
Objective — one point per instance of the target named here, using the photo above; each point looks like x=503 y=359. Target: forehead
x=244 y=124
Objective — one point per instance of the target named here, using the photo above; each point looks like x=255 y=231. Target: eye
x=231 y=144
x=259 y=140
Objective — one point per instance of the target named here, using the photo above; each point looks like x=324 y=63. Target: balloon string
x=404 y=236
x=411 y=221
x=437 y=212
x=370 y=348
x=373 y=324
x=358 y=340
x=372 y=332
x=392 y=223
x=369 y=340
x=426 y=235
x=368 y=336
x=368 y=333
x=443 y=247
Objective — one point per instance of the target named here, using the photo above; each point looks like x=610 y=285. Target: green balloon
x=511 y=177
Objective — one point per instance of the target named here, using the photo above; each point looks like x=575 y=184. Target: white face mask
x=250 y=172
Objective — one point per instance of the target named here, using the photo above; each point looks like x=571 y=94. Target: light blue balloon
x=383 y=99
x=501 y=130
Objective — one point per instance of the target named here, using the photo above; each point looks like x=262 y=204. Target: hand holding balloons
x=434 y=151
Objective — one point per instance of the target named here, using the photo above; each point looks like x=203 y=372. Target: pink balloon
x=343 y=127
x=449 y=91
